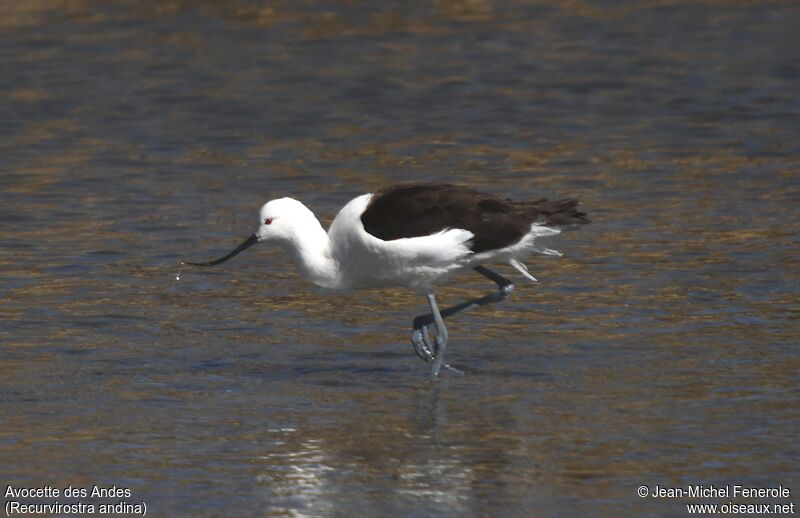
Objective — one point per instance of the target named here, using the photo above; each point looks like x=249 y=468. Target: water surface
x=661 y=349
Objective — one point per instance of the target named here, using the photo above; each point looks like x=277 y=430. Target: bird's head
x=279 y=220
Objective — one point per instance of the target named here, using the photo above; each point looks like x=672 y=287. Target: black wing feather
x=414 y=210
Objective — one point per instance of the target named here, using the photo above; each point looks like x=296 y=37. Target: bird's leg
x=420 y=337
x=505 y=286
x=441 y=336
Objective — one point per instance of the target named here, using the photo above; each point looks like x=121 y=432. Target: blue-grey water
x=662 y=349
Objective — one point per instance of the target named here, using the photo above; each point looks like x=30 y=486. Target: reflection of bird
x=414 y=236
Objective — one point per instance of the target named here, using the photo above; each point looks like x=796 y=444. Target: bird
x=414 y=236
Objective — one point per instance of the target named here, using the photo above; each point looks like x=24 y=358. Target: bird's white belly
x=416 y=263
x=364 y=265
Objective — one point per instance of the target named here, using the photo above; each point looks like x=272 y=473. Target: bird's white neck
x=309 y=248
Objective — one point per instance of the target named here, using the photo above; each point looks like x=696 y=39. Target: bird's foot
x=448 y=367
x=427 y=339
x=429 y=344
x=421 y=340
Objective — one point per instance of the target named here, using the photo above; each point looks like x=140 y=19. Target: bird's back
x=413 y=210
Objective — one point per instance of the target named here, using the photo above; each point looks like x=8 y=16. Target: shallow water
x=661 y=349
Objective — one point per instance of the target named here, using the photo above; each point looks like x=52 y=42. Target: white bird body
x=348 y=257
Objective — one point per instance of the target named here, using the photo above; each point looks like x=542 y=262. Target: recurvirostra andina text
x=414 y=236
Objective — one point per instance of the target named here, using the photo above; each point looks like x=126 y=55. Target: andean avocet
x=414 y=236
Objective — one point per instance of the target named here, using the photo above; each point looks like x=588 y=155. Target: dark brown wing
x=413 y=210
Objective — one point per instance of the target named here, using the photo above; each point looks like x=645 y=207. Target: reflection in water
x=298 y=479
x=661 y=349
x=315 y=476
x=441 y=476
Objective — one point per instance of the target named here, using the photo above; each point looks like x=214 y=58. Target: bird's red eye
x=268 y=221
